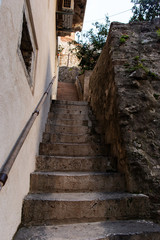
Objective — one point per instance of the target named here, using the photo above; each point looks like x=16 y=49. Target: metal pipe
x=19 y=143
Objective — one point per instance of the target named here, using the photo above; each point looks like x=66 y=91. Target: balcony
x=70 y=19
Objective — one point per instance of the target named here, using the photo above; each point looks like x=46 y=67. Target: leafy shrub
x=89 y=50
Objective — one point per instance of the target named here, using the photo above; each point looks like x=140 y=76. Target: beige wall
x=17 y=101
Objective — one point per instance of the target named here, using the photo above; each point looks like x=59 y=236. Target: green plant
x=158 y=32
x=136 y=58
x=137 y=64
x=131 y=69
x=60 y=48
x=152 y=74
x=123 y=38
x=89 y=50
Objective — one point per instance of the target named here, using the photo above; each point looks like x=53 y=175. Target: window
x=27 y=47
x=67 y=3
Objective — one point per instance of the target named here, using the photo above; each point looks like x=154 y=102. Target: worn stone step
x=77 y=111
x=52 y=128
x=67 y=116
x=65 y=102
x=110 y=230
x=76 y=182
x=64 y=84
x=68 y=122
x=50 y=208
x=69 y=106
x=60 y=163
x=68 y=92
x=70 y=149
x=67 y=138
x=67 y=88
x=67 y=97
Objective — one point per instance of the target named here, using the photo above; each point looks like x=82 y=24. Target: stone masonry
x=125 y=96
x=68 y=70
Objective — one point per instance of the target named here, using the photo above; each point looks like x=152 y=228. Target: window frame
x=71 y=5
x=27 y=12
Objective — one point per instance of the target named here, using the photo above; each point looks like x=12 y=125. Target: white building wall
x=17 y=101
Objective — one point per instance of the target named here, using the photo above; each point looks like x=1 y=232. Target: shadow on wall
x=46 y=106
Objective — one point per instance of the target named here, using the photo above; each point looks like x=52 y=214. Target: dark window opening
x=26 y=46
x=67 y=3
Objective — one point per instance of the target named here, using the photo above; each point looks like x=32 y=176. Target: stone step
x=67 y=97
x=68 y=122
x=77 y=111
x=81 y=107
x=65 y=102
x=67 y=116
x=67 y=138
x=66 y=88
x=76 y=182
x=59 y=163
x=110 y=230
x=70 y=149
x=52 y=128
x=67 y=91
x=65 y=85
x=50 y=208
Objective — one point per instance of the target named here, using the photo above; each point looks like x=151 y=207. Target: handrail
x=19 y=143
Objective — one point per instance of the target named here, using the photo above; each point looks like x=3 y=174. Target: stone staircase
x=75 y=193
x=67 y=91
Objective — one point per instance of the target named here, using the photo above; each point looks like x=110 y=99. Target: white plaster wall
x=17 y=102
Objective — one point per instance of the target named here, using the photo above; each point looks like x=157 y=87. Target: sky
x=97 y=9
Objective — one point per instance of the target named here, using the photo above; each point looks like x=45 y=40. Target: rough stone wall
x=82 y=85
x=68 y=58
x=68 y=70
x=125 y=96
x=68 y=74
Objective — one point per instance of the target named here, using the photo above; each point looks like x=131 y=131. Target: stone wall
x=82 y=85
x=68 y=70
x=67 y=57
x=125 y=96
x=68 y=74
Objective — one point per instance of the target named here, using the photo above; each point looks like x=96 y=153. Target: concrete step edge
x=66 y=102
x=80 y=197
x=91 y=231
x=76 y=174
x=72 y=157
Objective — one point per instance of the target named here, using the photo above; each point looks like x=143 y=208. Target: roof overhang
x=70 y=20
